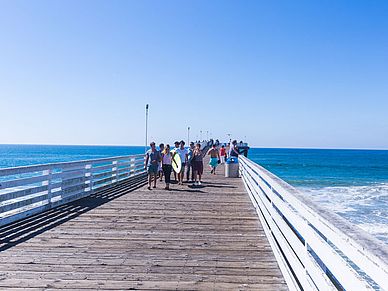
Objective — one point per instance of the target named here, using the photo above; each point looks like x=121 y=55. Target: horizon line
x=256 y=147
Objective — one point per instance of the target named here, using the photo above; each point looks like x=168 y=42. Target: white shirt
x=182 y=154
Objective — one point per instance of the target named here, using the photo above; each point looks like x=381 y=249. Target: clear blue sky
x=281 y=73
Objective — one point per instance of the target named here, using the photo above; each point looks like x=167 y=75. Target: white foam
x=365 y=206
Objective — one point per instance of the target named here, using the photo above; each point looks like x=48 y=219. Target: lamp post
x=146 y=129
x=200 y=135
x=229 y=134
x=188 y=135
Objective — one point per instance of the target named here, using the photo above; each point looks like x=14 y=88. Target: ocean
x=353 y=183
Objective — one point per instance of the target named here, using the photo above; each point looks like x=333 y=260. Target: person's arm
x=160 y=157
x=146 y=161
x=187 y=157
x=218 y=154
x=208 y=152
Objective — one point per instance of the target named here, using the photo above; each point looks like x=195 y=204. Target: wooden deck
x=130 y=238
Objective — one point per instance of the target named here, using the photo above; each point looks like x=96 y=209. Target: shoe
x=187 y=181
x=199 y=183
x=149 y=188
x=211 y=172
x=154 y=187
x=195 y=184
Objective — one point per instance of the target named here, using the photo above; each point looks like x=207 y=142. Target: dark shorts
x=183 y=168
x=198 y=166
x=152 y=168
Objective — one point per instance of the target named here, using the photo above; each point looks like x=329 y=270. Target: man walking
x=214 y=157
x=183 y=153
x=174 y=150
x=190 y=164
x=153 y=158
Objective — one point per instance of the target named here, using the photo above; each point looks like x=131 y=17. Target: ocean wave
x=365 y=206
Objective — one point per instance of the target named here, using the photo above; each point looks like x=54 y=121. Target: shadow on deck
x=130 y=238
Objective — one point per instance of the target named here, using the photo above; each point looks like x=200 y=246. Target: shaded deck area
x=129 y=238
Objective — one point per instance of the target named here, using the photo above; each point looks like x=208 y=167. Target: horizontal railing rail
x=316 y=248
x=29 y=190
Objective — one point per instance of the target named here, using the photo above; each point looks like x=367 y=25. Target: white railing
x=242 y=145
x=25 y=191
x=316 y=249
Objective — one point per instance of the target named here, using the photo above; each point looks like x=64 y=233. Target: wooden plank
x=121 y=238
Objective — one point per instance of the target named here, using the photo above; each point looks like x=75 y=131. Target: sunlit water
x=353 y=183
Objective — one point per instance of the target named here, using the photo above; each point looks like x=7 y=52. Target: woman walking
x=166 y=165
x=197 y=164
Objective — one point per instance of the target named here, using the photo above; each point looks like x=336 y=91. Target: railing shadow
x=23 y=230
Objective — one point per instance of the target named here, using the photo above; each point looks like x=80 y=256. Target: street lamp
x=146 y=129
x=200 y=135
x=188 y=135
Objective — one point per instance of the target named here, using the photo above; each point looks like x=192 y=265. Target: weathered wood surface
x=130 y=238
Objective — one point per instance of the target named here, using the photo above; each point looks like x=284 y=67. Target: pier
x=93 y=225
x=129 y=238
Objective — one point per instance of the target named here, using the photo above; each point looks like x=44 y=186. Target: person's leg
x=155 y=178
x=188 y=172
x=167 y=174
x=149 y=180
x=192 y=172
x=195 y=178
x=200 y=173
x=181 y=174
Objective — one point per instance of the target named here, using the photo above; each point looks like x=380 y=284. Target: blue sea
x=353 y=183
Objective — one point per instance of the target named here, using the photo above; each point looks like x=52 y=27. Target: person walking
x=160 y=171
x=233 y=151
x=197 y=164
x=214 y=158
x=222 y=154
x=153 y=157
x=174 y=151
x=167 y=160
x=190 y=163
x=183 y=153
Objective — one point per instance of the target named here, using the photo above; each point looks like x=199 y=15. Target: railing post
x=115 y=174
x=134 y=170
x=48 y=183
x=89 y=177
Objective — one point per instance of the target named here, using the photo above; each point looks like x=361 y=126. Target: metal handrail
x=316 y=249
x=29 y=190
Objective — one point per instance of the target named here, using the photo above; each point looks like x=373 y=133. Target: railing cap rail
x=41 y=167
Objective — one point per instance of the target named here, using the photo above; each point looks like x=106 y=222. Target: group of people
x=160 y=162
